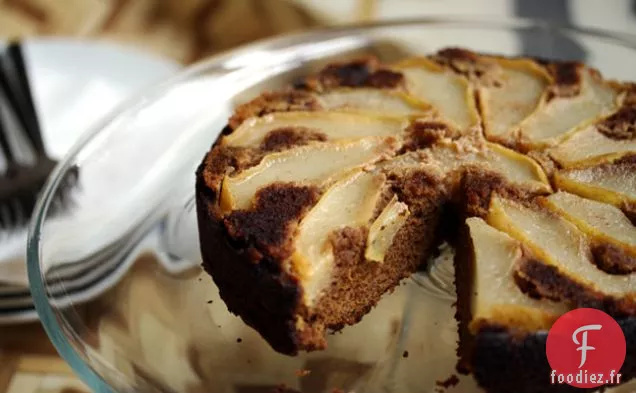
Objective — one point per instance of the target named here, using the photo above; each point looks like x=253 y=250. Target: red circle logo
x=586 y=349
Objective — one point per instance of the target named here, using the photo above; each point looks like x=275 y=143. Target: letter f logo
x=583 y=344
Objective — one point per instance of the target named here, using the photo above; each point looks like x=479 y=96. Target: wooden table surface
x=30 y=364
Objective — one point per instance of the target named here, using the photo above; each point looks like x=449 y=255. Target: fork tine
x=3 y=223
x=4 y=140
x=5 y=214
x=18 y=212
x=7 y=220
x=14 y=211
x=27 y=180
x=11 y=213
x=24 y=104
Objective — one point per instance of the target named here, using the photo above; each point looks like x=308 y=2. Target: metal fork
x=21 y=183
x=12 y=195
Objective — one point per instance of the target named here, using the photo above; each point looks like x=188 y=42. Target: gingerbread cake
x=318 y=199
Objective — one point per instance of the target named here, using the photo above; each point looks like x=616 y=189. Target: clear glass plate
x=160 y=325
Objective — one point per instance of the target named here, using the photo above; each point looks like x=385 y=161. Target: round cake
x=319 y=198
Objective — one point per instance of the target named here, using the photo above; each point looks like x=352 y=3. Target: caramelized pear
x=449 y=94
x=350 y=202
x=373 y=102
x=599 y=220
x=497 y=300
x=319 y=163
x=334 y=125
x=384 y=228
x=516 y=93
x=613 y=183
x=589 y=146
x=561 y=254
x=558 y=116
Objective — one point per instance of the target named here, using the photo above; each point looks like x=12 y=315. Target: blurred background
x=170 y=34
x=188 y=30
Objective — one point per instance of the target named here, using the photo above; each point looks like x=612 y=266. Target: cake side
x=255 y=287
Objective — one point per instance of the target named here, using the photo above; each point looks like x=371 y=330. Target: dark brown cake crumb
x=464 y=264
x=449 y=382
x=351 y=74
x=337 y=307
x=277 y=208
x=612 y=259
x=423 y=134
x=454 y=54
x=222 y=160
x=477 y=188
x=628 y=160
x=567 y=79
x=621 y=125
x=630 y=211
x=362 y=72
x=239 y=340
x=280 y=101
x=405 y=354
x=548 y=282
x=210 y=301
x=478 y=69
x=528 y=287
x=629 y=89
x=285 y=138
x=385 y=79
x=419 y=187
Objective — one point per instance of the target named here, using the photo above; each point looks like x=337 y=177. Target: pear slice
x=450 y=94
x=349 y=202
x=515 y=167
x=613 y=183
x=318 y=164
x=557 y=242
x=373 y=101
x=384 y=228
x=334 y=125
x=496 y=298
x=517 y=95
x=446 y=157
x=599 y=220
x=589 y=146
x=557 y=117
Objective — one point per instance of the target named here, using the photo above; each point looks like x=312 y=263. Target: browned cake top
x=541 y=155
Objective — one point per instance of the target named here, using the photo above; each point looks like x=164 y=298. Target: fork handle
x=22 y=102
